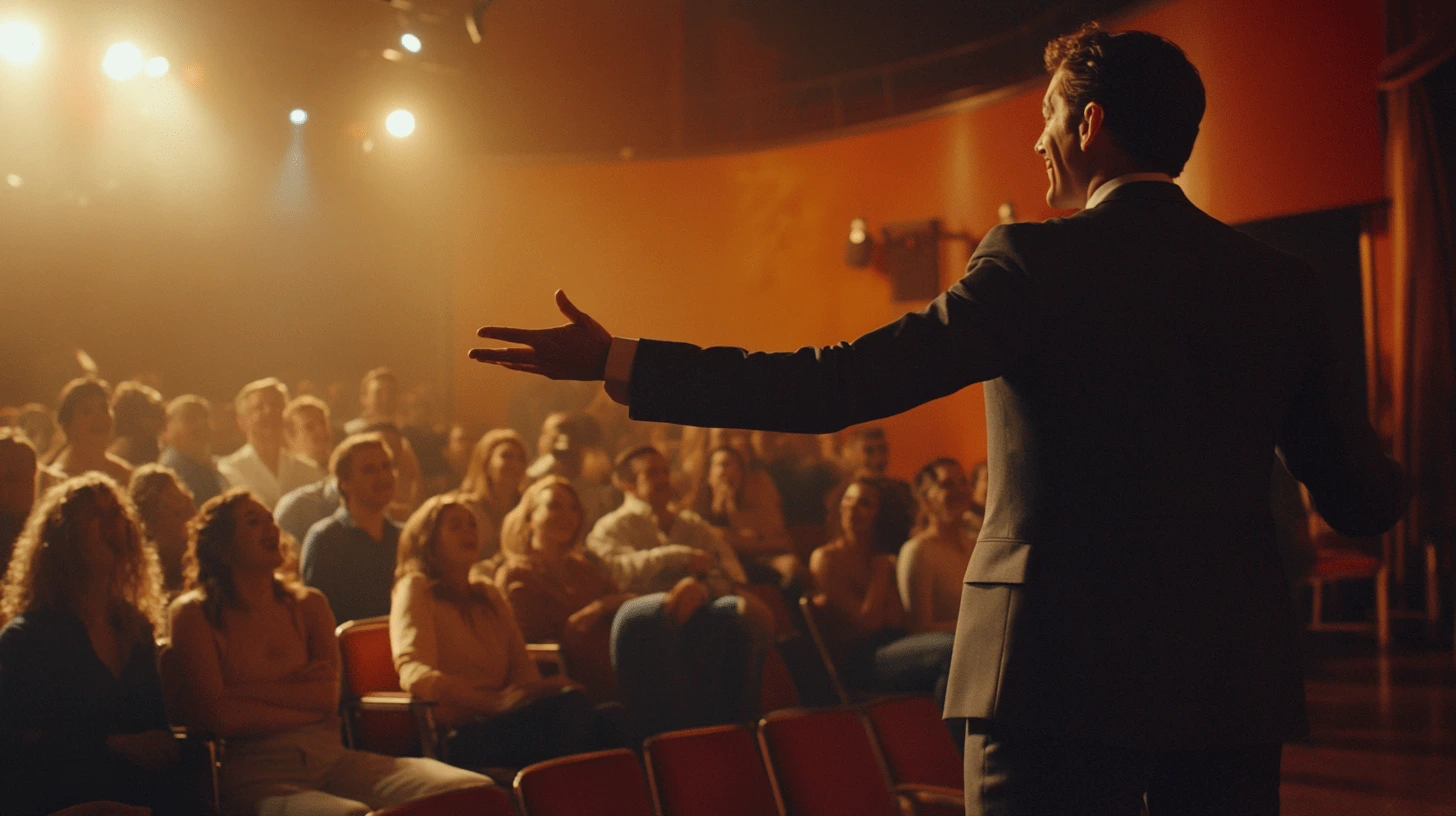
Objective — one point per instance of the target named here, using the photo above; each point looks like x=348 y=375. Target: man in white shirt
x=263 y=465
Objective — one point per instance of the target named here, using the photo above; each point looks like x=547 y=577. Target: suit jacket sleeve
x=1328 y=444
x=975 y=331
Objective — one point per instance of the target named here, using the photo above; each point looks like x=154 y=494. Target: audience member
x=459 y=445
x=378 y=399
x=307 y=431
x=980 y=481
x=406 y=472
x=867 y=455
x=165 y=506
x=81 y=713
x=754 y=530
x=39 y=424
x=575 y=440
x=492 y=484
x=263 y=465
x=140 y=420
x=688 y=650
x=84 y=415
x=560 y=593
x=864 y=616
x=188 y=447
x=805 y=481
x=457 y=644
x=350 y=556
x=931 y=568
x=18 y=476
x=254 y=659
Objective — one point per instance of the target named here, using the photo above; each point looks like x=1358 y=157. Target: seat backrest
x=605 y=783
x=368 y=662
x=483 y=800
x=713 y=771
x=915 y=742
x=824 y=764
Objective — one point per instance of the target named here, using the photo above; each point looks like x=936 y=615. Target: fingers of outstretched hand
x=506 y=334
x=568 y=308
x=519 y=356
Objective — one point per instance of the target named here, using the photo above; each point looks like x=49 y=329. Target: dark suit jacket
x=1142 y=362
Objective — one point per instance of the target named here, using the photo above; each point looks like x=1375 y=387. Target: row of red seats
x=885 y=758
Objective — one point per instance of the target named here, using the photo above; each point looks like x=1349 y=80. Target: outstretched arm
x=975 y=331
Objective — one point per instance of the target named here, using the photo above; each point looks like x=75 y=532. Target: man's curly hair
x=1151 y=95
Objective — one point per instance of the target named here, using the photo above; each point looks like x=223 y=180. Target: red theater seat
x=825 y=764
x=606 y=783
x=486 y=800
x=378 y=715
x=916 y=745
x=713 y=771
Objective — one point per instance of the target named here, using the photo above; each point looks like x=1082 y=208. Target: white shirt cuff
x=619 y=361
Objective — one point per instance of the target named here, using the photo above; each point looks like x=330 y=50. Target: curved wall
x=747 y=249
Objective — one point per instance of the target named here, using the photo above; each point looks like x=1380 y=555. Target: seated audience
x=140 y=420
x=867 y=455
x=492 y=484
x=18 y=470
x=861 y=606
x=188 y=447
x=378 y=399
x=931 y=569
x=560 y=593
x=263 y=465
x=804 y=480
x=459 y=445
x=165 y=506
x=688 y=650
x=406 y=472
x=85 y=418
x=574 y=441
x=350 y=556
x=81 y=713
x=456 y=643
x=307 y=431
x=299 y=510
x=39 y=424
x=979 y=482
x=753 y=527
x=254 y=660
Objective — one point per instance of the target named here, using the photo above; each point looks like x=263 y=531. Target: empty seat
x=825 y=764
x=713 y=771
x=914 y=741
x=605 y=783
x=378 y=715
x=485 y=800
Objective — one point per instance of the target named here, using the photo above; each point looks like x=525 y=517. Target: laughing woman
x=257 y=662
x=81 y=715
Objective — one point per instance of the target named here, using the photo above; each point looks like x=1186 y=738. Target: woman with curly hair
x=456 y=643
x=492 y=486
x=560 y=592
x=165 y=506
x=81 y=713
x=254 y=659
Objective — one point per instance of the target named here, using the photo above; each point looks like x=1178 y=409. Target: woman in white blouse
x=456 y=643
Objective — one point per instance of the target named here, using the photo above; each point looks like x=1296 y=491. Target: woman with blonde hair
x=492 y=486
x=254 y=659
x=559 y=591
x=165 y=505
x=81 y=714
x=456 y=643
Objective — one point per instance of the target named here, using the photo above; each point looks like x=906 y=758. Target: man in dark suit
x=1125 y=632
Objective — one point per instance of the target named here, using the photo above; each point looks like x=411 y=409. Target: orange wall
x=747 y=248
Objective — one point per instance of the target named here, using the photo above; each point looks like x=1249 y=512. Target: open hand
x=574 y=351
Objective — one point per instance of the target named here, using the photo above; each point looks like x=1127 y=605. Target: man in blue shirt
x=188 y=451
x=350 y=556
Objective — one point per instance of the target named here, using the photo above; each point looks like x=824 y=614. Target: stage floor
x=1383 y=735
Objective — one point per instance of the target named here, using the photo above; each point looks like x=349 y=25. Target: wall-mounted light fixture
x=910 y=255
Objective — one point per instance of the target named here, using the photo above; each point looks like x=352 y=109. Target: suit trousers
x=1023 y=775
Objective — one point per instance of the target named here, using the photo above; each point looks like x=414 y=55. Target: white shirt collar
x=1112 y=184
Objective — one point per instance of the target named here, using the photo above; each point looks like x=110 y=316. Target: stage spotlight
x=411 y=43
x=14 y=180
x=298 y=116
x=19 y=42
x=123 y=61
x=156 y=67
x=400 y=123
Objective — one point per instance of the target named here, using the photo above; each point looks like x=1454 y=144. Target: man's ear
x=1091 y=124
